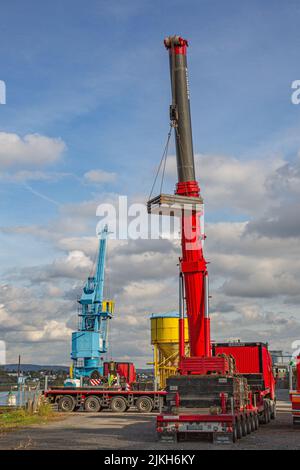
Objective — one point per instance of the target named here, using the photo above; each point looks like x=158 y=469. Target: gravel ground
x=132 y=431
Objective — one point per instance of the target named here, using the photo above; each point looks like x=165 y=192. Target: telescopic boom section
x=180 y=109
x=193 y=264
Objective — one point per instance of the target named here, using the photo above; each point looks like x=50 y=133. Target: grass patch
x=12 y=419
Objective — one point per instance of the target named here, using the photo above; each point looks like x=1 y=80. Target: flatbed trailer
x=218 y=406
x=94 y=399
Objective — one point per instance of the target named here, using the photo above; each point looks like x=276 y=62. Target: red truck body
x=124 y=369
x=252 y=360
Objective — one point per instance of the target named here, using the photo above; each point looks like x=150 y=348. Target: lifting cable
x=162 y=164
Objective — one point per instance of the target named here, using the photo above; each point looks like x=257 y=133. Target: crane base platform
x=174 y=205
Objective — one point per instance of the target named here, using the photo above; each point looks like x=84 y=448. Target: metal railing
x=20 y=396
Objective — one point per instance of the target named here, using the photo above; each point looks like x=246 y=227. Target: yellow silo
x=165 y=340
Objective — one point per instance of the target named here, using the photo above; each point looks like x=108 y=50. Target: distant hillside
x=37 y=368
x=34 y=367
x=145 y=371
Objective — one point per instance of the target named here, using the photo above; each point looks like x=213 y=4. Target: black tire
x=239 y=430
x=252 y=422
x=273 y=411
x=263 y=417
x=243 y=426
x=118 y=404
x=234 y=432
x=256 y=421
x=268 y=413
x=248 y=424
x=144 y=405
x=66 y=404
x=92 y=404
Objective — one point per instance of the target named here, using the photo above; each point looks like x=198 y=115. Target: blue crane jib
x=90 y=342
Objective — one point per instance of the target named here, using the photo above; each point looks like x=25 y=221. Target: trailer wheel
x=267 y=413
x=261 y=418
x=234 y=432
x=248 y=424
x=239 y=428
x=243 y=425
x=92 y=404
x=118 y=405
x=256 y=421
x=144 y=405
x=265 y=416
x=66 y=404
x=252 y=422
x=273 y=411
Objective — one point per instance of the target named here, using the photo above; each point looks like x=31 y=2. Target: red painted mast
x=192 y=263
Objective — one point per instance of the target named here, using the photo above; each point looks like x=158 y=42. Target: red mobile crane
x=209 y=395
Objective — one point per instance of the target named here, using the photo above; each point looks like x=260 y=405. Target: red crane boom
x=192 y=263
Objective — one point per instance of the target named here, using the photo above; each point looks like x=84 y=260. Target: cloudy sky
x=86 y=119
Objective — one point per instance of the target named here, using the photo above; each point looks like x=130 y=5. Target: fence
x=20 y=396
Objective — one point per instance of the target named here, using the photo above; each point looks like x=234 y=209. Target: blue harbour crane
x=90 y=341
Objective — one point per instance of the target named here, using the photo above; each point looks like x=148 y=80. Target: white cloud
x=30 y=150
x=246 y=265
x=254 y=270
x=52 y=331
x=7 y=319
x=100 y=176
x=233 y=184
x=73 y=266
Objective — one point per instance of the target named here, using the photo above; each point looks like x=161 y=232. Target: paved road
x=134 y=431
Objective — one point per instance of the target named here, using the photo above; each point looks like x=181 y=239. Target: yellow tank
x=165 y=339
